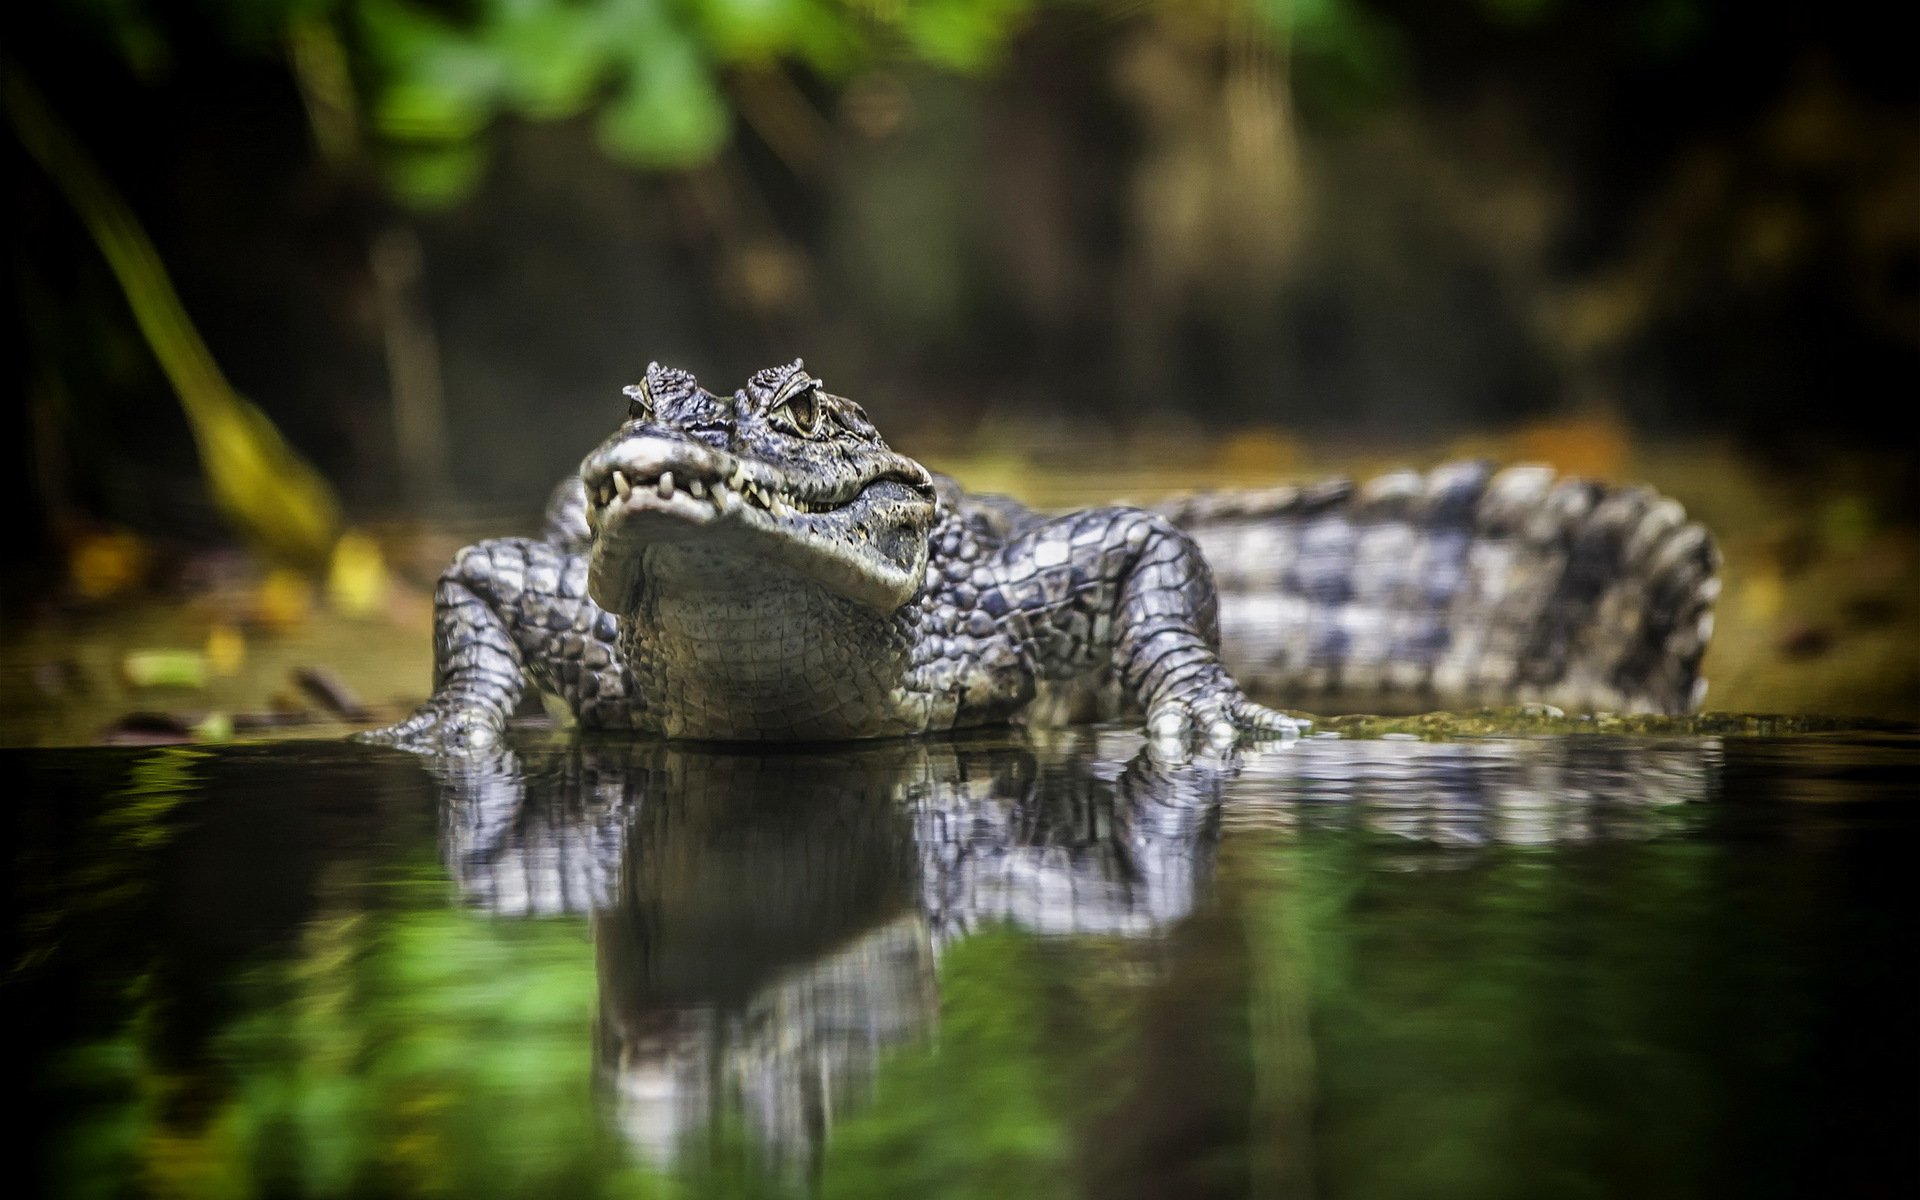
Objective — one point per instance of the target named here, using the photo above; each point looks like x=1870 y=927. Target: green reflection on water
x=1590 y=1006
x=979 y=1114
x=420 y=1050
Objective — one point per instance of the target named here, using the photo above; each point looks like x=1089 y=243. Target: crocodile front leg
x=1125 y=589
x=510 y=611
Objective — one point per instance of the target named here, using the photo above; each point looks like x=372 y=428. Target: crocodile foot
x=1221 y=717
x=440 y=727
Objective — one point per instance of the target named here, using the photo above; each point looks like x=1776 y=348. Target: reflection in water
x=767 y=924
x=1509 y=791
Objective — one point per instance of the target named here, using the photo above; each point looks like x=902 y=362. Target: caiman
x=763 y=567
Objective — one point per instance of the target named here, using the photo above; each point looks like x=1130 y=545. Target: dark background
x=1380 y=222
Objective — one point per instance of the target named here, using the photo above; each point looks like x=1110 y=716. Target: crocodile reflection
x=767 y=925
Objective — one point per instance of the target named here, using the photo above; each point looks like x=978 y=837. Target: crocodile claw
x=440 y=728
x=1222 y=718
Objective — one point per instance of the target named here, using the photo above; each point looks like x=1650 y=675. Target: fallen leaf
x=102 y=565
x=214 y=727
x=356 y=575
x=284 y=599
x=226 y=649
x=165 y=668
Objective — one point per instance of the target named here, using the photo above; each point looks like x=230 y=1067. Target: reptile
x=762 y=566
x=767 y=925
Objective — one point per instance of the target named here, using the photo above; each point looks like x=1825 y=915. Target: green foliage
x=1346 y=59
x=1465 y=1021
x=380 y=1056
x=965 y=35
x=438 y=76
x=669 y=113
x=653 y=69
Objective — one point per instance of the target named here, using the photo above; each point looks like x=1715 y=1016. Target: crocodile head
x=782 y=475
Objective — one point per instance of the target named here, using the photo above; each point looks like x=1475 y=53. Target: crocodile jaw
x=690 y=511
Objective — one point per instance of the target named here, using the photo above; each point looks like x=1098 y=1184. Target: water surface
x=1582 y=965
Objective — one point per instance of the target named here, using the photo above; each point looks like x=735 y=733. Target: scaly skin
x=835 y=880
x=762 y=567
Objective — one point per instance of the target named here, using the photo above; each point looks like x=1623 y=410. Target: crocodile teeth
x=665 y=488
x=779 y=506
x=621 y=485
x=698 y=489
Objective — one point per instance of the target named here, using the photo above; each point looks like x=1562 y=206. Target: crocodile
x=767 y=925
x=762 y=566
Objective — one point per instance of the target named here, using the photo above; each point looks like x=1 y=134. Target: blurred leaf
x=552 y=55
x=165 y=668
x=284 y=599
x=101 y=565
x=1762 y=596
x=671 y=114
x=435 y=176
x=438 y=81
x=357 y=576
x=262 y=486
x=748 y=29
x=417 y=109
x=320 y=67
x=962 y=34
x=1345 y=57
x=226 y=649
x=214 y=727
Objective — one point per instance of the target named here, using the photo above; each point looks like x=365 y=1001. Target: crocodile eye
x=800 y=401
x=805 y=409
x=639 y=402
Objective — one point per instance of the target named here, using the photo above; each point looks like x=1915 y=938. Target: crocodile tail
x=1460 y=587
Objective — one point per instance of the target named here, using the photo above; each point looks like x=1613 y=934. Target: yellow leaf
x=259 y=482
x=284 y=599
x=226 y=649
x=1763 y=597
x=106 y=564
x=356 y=575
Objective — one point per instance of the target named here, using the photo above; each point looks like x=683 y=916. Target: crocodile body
x=762 y=567
x=835 y=881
